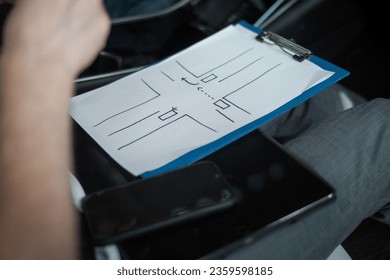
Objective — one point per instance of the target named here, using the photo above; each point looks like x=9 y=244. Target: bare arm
x=47 y=44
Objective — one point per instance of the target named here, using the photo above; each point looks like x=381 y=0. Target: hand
x=65 y=34
x=47 y=43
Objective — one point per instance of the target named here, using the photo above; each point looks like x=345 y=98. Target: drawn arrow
x=185 y=80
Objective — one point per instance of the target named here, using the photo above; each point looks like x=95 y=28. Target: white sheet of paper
x=218 y=85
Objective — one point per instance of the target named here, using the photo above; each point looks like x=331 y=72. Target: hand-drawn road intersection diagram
x=191 y=99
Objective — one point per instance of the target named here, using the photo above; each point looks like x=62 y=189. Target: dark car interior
x=349 y=33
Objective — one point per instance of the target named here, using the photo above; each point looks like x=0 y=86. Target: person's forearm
x=35 y=151
x=46 y=45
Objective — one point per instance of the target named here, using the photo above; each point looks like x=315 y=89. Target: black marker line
x=209 y=78
x=132 y=142
x=272 y=68
x=188 y=82
x=224 y=115
x=182 y=66
x=205 y=93
x=200 y=123
x=129 y=109
x=234 y=58
x=126 y=127
x=238 y=107
x=219 y=66
x=216 y=103
x=240 y=69
x=150 y=87
x=170 y=114
x=166 y=75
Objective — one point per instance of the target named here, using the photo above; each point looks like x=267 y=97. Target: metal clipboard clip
x=294 y=50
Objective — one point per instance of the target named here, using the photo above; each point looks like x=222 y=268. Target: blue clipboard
x=198 y=154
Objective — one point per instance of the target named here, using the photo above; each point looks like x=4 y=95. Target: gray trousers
x=349 y=149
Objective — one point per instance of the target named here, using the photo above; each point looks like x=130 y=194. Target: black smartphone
x=157 y=202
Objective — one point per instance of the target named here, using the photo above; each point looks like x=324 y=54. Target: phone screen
x=157 y=202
